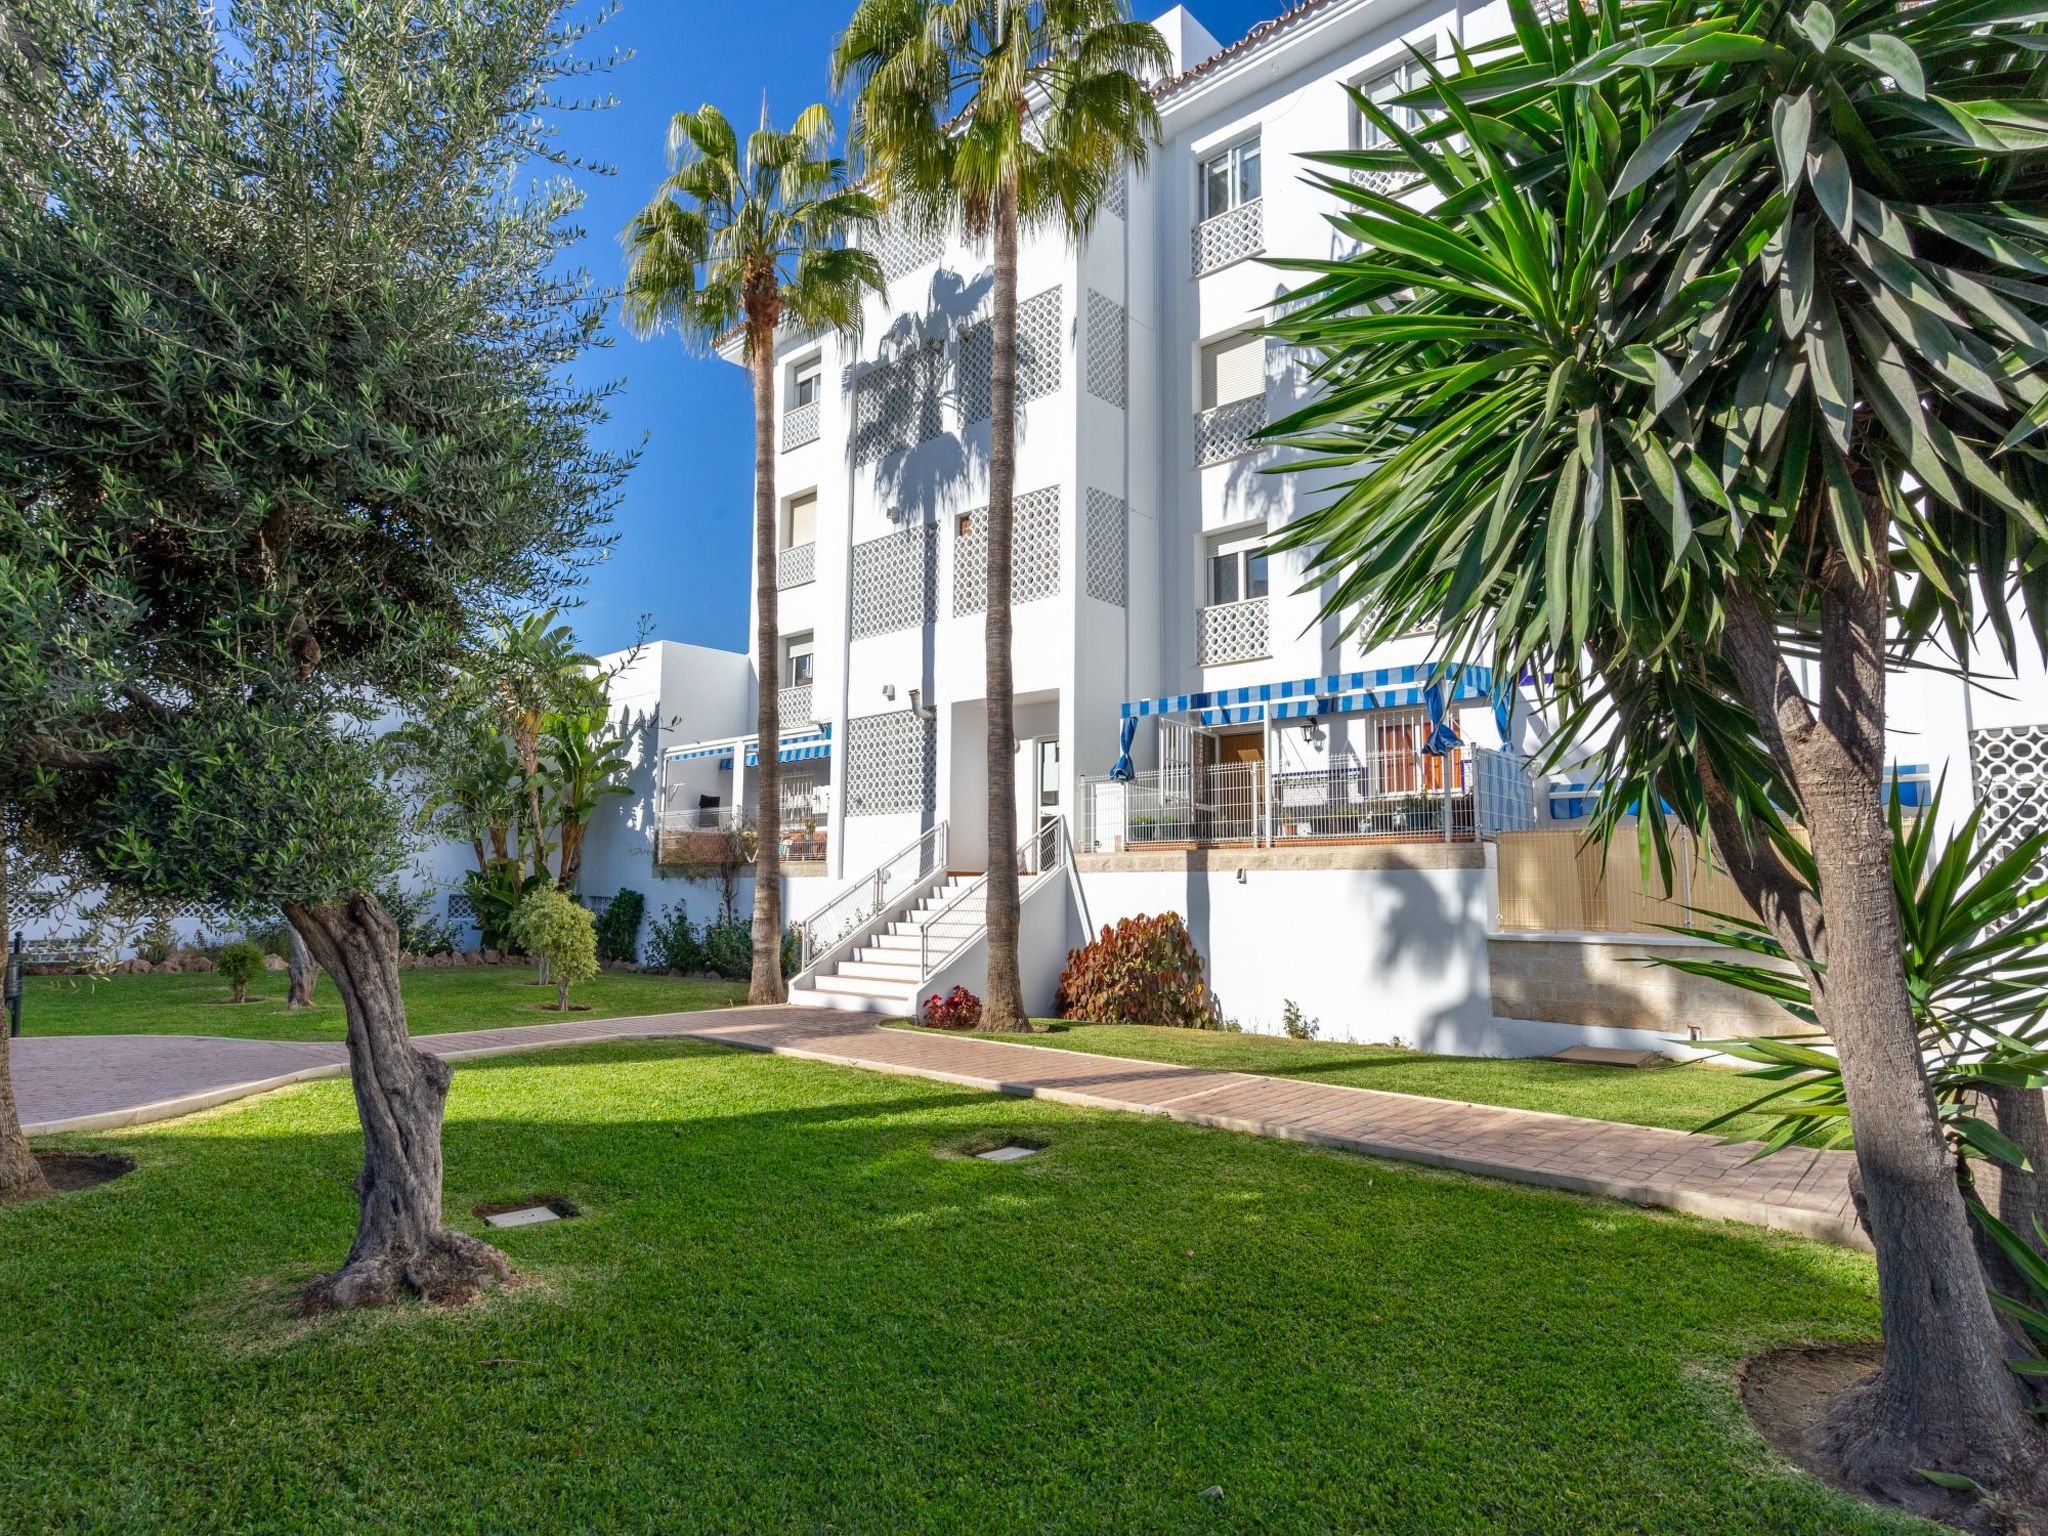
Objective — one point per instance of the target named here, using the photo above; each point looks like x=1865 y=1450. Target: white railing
x=800 y=425
x=837 y=925
x=795 y=704
x=796 y=566
x=1043 y=853
x=1396 y=796
x=1230 y=236
x=1227 y=632
x=1228 y=431
x=717 y=818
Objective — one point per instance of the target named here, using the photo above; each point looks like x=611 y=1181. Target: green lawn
x=1677 y=1097
x=792 y=1306
x=436 y=1001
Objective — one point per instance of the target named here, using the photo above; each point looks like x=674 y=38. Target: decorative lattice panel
x=1230 y=236
x=2010 y=768
x=892 y=764
x=1231 y=632
x=794 y=705
x=900 y=403
x=1385 y=183
x=800 y=425
x=895 y=582
x=1034 y=554
x=901 y=247
x=461 y=910
x=1038 y=356
x=797 y=566
x=1227 y=431
x=1107 y=516
x=1109 y=347
x=1119 y=200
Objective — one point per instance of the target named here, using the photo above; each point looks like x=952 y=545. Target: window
x=800 y=520
x=1380 y=90
x=807 y=383
x=799 y=655
x=1233 y=369
x=1237 y=570
x=1230 y=179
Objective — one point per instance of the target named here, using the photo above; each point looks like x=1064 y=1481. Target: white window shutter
x=1233 y=370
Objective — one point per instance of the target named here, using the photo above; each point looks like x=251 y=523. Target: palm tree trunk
x=1003 y=1007
x=1945 y=1399
x=21 y=1176
x=766 y=985
x=400 y=1242
x=572 y=856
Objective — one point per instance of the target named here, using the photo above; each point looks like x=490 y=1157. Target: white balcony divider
x=1226 y=632
x=1506 y=793
x=1230 y=236
x=1228 y=431
x=796 y=566
x=795 y=705
x=801 y=425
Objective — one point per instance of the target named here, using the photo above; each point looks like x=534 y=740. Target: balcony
x=703 y=838
x=1227 y=632
x=1397 y=796
x=796 y=566
x=1230 y=236
x=795 y=705
x=1229 y=430
x=800 y=426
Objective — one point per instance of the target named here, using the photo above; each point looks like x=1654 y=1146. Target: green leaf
x=1954 y=1480
x=1817 y=23
x=1828 y=169
x=1791 y=124
x=1658 y=147
x=1890 y=55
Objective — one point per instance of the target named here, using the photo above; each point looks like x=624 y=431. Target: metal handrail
x=874 y=883
x=1046 y=867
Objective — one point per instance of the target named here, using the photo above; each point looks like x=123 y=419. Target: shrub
x=729 y=949
x=1297 y=1025
x=958 y=1009
x=1145 y=970
x=496 y=895
x=672 y=942
x=559 y=930
x=240 y=963
x=618 y=927
x=159 y=939
x=792 y=950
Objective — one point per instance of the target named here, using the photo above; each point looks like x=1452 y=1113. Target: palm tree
x=1715 y=355
x=531 y=671
x=1007 y=115
x=749 y=238
x=587 y=763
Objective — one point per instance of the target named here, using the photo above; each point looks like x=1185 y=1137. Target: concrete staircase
x=884 y=974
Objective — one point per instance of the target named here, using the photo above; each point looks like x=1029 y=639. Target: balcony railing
x=795 y=705
x=1229 y=632
x=796 y=566
x=1230 y=236
x=800 y=425
x=1385 y=797
x=1229 y=430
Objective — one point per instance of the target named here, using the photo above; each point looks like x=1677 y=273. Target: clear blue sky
x=683 y=523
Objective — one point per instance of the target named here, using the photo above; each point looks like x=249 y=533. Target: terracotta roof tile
x=1264 y=32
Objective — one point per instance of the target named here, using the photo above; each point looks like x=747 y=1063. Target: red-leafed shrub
x=1145 y=970
x=958 y=1009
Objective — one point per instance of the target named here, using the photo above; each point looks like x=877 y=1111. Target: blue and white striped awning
x=723 y=752
x=796 y=749
x=1338 y=693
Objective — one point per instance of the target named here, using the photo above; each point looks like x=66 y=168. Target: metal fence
x=1394 y=796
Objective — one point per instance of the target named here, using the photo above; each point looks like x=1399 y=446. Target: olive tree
x=283 y=419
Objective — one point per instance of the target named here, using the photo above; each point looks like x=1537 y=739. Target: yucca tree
x=752 y=237
x=1722 y=320
x=1007 y=116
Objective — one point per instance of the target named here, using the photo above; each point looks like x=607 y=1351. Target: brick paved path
x=88 y=1082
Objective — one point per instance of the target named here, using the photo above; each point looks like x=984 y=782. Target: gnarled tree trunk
x=1003 y=1006
x=400 y=1243
x=21 y=1176
x=303 y=973
x=766 y=984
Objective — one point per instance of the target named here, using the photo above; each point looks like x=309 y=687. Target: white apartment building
x=1283 y=801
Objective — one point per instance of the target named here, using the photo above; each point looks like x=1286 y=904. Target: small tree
x=239 y=964
x=562 y=933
